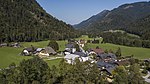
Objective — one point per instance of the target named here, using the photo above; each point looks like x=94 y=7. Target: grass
x=53 y=62
x=9 y=55
x=85 y=37
x=140 y=53
x=137 y=52
x=43 y=44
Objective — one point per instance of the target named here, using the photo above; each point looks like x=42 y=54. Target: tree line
x=124 y=39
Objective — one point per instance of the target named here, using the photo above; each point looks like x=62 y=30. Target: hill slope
x=119 y=18
x=89 y=22
x=141 y=27
x=25 y=20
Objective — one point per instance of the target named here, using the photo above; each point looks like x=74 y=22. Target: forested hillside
x=141 y=27
x=119 y=18
x=25 y=20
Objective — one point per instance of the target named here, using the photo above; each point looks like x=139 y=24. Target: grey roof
x=70 y=46
x=105 y=55
x=31 y=49
x=112 y=55
x=82 y=54
x=103 y=64
x=109 y=67
x=50 y=50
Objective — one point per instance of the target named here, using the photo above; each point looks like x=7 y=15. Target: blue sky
x=75 y=11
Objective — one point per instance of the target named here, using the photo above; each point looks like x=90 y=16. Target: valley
x=14 y=53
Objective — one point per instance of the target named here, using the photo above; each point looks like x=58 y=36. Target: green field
x=9 y=55
x=140 y=53
x=53 y=62
x=43 y=44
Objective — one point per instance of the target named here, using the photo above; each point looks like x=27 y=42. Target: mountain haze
x=26 y=20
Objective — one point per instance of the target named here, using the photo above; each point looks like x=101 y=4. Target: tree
x=31 y=71
x=118 y=52
x=79 y=73
x=54 y=45
x=135 y=77
x=120 y=75
x=106 y=51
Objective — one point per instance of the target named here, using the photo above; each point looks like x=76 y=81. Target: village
x=106 y=61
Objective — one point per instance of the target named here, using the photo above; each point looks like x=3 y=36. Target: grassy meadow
x=140 y=53
x=9 y=55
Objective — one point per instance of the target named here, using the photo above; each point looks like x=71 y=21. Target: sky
x=75 y=11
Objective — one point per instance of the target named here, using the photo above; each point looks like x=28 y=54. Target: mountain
x=89 y=22
x=140 y=27
x=118 y=18
x=26 y=20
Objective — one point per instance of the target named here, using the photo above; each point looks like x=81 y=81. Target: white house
x=70 y=58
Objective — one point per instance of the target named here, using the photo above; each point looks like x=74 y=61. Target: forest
x=26 y=20
x=124 y=39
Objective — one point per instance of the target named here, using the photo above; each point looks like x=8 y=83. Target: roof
x=82 y=41
x=105 y=55
x=70 y=46
x=98 y=51
x=3 y=44
x=109 y=67
x=39 y=49
x=71 y=56
x=50 y=50
x=112 y=55
x=82 y=54
x=31 y=49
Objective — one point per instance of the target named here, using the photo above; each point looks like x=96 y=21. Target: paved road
x=146 y=77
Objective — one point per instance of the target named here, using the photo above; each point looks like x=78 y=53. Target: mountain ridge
x=119 y=18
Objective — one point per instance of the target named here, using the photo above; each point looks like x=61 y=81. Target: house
x=70 y=48
x=82 y=42
x=84 y=57
x=29 y=51
x=46 y=52
x=82 y=54
x=70 y=58
x=107 y=57
x=96 y=51
x=107 y=62
x=3 y=45
x=107 y=66
x=16 y=45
